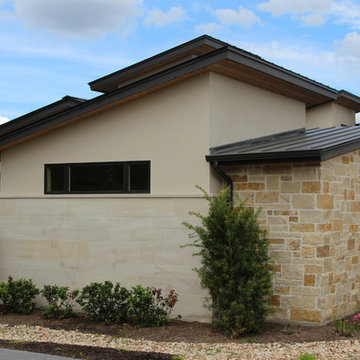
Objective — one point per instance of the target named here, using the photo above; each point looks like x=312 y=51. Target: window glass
x=55 y=179
x=97 y=178
x=139 y=179
x=117 y=177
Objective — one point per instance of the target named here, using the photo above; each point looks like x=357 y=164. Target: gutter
x=226 y=178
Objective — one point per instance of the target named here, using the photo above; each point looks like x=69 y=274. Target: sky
x=53 y=48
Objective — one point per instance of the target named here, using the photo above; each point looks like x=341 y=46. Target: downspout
x=225 y=177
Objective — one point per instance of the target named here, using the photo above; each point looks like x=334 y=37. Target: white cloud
x=280 y=7
x=243 y=16
x=313 y=19
x=158 y=18
x=3 y=119
x=316 y=12
x=209 y=28
x=337 y=68
x=80 y=18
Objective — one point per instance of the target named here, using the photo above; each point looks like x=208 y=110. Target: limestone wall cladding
x=311 y=214
x=76 y=240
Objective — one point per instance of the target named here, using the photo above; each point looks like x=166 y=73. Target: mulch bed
x=192 y=332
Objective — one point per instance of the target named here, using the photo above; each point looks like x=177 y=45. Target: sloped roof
x=296 y=145
x=56 y=107
x=209 y=55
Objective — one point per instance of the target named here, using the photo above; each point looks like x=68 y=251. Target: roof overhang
x=225 y=60
x=292 y=146
x=196 y=47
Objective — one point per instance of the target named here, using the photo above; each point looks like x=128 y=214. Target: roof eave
x=303 y=155
x=108 y=83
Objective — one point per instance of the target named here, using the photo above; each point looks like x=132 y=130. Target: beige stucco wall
x=328 y=115
x=74 y=241
x=169 y=127
x=240 y=111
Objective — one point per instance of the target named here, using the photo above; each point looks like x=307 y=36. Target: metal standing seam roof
x=300 y=144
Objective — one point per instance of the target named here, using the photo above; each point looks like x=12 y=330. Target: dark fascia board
x=348 y=99
x=65 y=103
x=102 y=84
x=299 y=155
x=195 y=65
x=312 y=155
x=279 y=72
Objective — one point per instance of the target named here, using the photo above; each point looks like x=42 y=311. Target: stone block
x=276 y=241
x=238 y=178
x=351 y=244
x=312 y=239
x=286 y=178
x=267 y=197
x=337 y=225
x=290 y=187
x=295 y=272
x=354 y=228
x=305 y=172
x=308 y=251
x=325 y=201
x=355 y=206
x=311 y=186
x=282 y=290
x=326 y=187
x=323 y=251
x=277 y=169
x=311 y=216
x=302 y=227
x=303 y=202
x=293 y=244
x=274 y=300
x=309 y=280
x=272 y=183
x=313 y=269
x=324 y=227
x=299 y=301
x=309 y=315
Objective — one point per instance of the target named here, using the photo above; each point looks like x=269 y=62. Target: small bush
x=60 y=300
x=17 y=296
x=346 y=327
x=235 y=265
x=104 y=302
x=148 y=307
x=307 y=357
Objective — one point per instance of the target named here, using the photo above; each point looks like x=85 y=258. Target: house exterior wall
x=311 y=215
x=78 y=240
x=239 y=111
x=328 y=115
x=169 y=127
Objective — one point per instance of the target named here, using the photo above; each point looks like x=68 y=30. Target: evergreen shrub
x=60 y=301
x=235 y=265
x=17 y=296
x=104 y=302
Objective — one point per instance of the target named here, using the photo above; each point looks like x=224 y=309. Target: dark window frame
x=125 y=164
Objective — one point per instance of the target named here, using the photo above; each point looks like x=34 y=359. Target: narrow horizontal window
x=98 y=178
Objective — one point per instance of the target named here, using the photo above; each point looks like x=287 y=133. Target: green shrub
x=17 y=296
x=235 y=264
x=60 y=301
x=104 y=302
x=307 y=357
x=148 y=307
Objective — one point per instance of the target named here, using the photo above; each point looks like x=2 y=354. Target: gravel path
x=335 y=350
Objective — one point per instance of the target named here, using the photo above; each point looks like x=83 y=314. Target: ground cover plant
x=235 y=265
